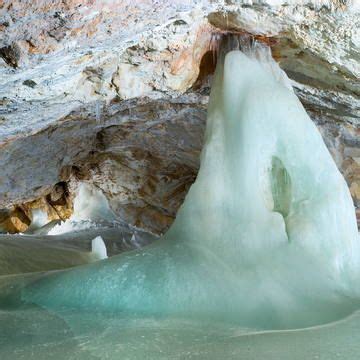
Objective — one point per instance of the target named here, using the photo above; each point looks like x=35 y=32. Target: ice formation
x=267 y=235
x=266 y=239
x=90 y=208
x=98 y=248
x=39 y=219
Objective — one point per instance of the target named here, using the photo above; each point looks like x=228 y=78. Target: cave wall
x=115 y=93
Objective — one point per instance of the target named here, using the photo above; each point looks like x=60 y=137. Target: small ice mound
x=134 y=241
x=98 y=248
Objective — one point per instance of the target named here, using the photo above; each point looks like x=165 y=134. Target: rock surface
x=115 y=93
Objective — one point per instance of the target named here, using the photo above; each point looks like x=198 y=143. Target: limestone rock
x=13 y=220
x=115 y=93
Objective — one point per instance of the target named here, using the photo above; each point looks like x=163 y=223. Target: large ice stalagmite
x=267 y=235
